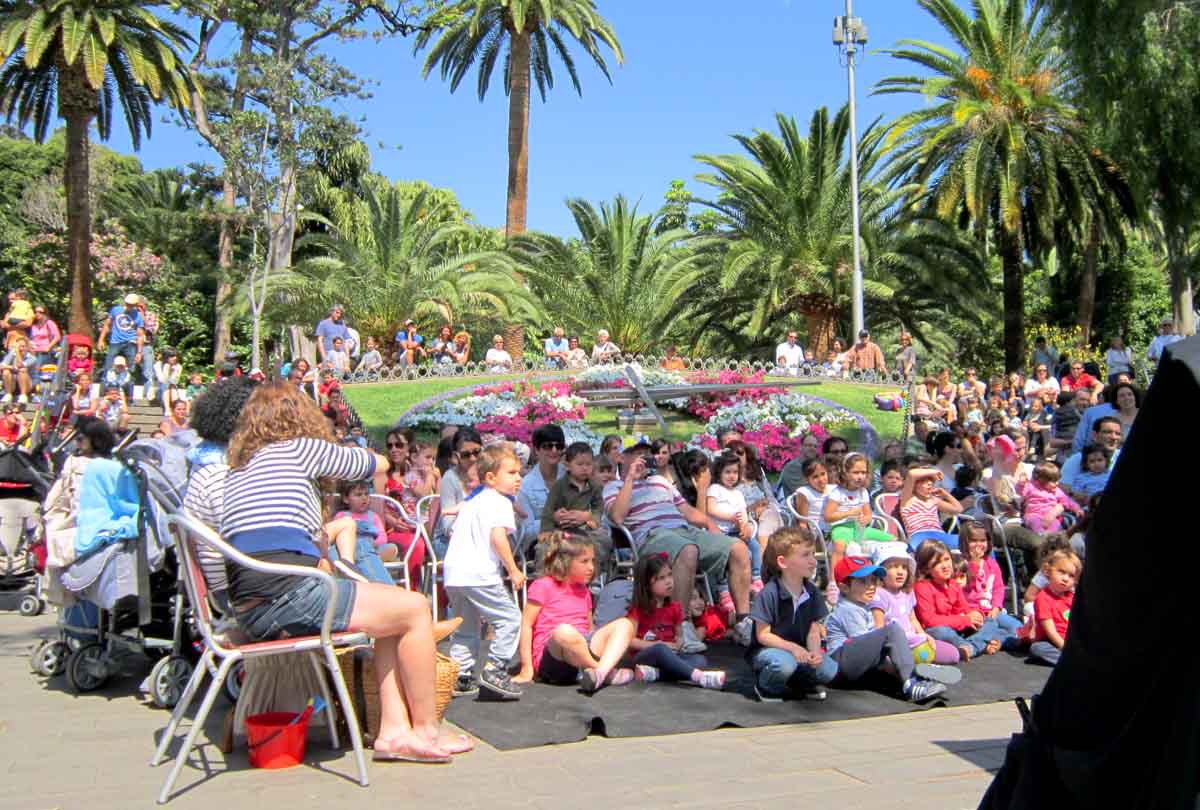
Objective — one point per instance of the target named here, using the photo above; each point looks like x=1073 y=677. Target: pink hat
x=1003 y=447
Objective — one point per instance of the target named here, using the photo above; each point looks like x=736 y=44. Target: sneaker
x=496 y=680
x=647 y=673
x=588 y=681
x=938 y=672
x=765 y=698
x=743 y=630
x=349 y=570
x=712 y=679
x=691 y=644
x=6 y=398
x=816 y=693
x=24 y=400
x=465 y=687
x=917 y=690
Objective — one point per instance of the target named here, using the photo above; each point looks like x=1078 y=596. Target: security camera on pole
x=849 y=33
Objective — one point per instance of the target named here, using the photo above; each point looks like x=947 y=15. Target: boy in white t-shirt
x=479 y=551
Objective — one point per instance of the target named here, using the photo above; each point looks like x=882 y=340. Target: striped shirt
x=275 y=490
x=205 y=499
x=653 y=504
x=920 y=516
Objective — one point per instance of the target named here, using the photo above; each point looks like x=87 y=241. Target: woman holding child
x=271 y=511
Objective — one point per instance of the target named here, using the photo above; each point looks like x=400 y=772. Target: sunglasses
x=552 y=446
x=469 y=453
x=397 y=444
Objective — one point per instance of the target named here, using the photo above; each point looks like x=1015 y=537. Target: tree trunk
x=518 y=134
x=1014 y=299
x=78 y=104
x=1087 y=283
x=1178 y=265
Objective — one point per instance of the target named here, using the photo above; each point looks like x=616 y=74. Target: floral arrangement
x=706 y=406
x=614 y=377
x=775 y=425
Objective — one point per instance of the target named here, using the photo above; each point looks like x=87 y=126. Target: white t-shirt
x=1118 y=361
x=470 y=559
x=498 y=360
x=1161 y=342
x=816 y=504
x=792 y=355
x=729 y=501
x=847 y=500
x=1033 y=385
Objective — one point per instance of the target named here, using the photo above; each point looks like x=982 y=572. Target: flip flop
x=400 y=756
x=459 y=744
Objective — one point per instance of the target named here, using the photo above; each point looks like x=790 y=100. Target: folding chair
x=385 y=505
x=189 y=533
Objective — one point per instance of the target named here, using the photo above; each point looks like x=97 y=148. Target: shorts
x=557 y=672
x=300 y=611
x=713 y=548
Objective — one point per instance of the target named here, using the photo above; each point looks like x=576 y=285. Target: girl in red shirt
x=943 y=609
x=659 y=635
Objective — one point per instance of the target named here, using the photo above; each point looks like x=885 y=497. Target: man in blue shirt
x=125 y=330
x=330 y=328
x=409 y=345
x=556 y=349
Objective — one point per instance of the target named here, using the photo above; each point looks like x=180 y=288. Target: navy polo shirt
x=789 y=619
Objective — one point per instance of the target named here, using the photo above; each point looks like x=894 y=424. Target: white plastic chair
x=222 y=651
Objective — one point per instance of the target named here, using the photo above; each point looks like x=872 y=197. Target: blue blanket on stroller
x=108 y=506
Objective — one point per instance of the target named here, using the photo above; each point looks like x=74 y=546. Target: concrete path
x=91 y=752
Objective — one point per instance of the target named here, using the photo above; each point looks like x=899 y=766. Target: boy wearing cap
x=119 y=377
x=125 y=330
x=859 y=647
x=409 y=344
x=785 y=650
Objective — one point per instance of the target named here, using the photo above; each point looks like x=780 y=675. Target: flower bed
x=706 y=406
x=775 y=425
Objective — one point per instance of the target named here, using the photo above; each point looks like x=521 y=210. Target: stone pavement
x=91 y=752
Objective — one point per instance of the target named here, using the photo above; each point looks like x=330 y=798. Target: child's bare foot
x=992 y=647
x=965 y=651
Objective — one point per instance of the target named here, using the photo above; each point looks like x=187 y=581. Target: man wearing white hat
x=125 y=330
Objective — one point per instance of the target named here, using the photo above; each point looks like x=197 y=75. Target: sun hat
x=133 y=298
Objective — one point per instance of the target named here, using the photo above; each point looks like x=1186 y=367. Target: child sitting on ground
x=848 y=512
x=943 y=610
x=1043 y=502
x=1094 y=477
x=894 y=602
x=1052 y=607
x=859 y=647
x=921 y=505
x=727 y=507
x=477 y=554
x=984 y=590
x=785 y=650
x=659 y=621
x=706 y=619
x=557 y=638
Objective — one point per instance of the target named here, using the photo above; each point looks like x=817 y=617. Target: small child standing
x=984 y=590
x=1052 y=607
x=195 y=386
x=894 y=602
x=727 y=507
x=785 y=650
x=659 y=621
x=859 y=647
x=944 y=612
x=1044 y=502
x=478 y=552
x=557 y=639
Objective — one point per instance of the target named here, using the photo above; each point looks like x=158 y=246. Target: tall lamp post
x=849 y=33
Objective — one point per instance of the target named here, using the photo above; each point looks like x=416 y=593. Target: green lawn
x=379 y=405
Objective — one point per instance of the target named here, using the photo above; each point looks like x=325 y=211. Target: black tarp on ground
x=1118 y=724
x=558 y=714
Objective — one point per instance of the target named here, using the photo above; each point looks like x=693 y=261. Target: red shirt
x=662 y=622
x=1085 y=381
x=942 y=606
x=712 y=623
x=1055 y=608
x=9 y=433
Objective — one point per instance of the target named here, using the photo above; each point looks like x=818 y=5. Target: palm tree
x=619 y=274
x=532 y=31
x=403 y=265
x=77 y=55
x=786 y=245
x=1000 y=146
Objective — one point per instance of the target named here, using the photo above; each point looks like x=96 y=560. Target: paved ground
x=91 y=752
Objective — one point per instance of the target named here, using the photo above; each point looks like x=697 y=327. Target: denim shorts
x=300 y=611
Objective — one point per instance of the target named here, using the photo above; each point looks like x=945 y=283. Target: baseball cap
x=857 y=567
x=410 y=322
x=132 y=298
x=119 y=360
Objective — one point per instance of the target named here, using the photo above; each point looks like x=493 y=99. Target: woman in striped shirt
x=271 y=511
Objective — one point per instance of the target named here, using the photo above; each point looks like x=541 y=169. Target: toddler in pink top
x=984 y=590
x=1044 y=502
x=557 y=640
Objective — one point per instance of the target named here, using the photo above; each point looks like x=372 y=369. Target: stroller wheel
x=233 y=681
x=168 y=679
x=31 y=605
x=86 y=668
x=49 y=658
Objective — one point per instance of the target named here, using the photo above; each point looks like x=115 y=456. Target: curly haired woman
x=272 y=512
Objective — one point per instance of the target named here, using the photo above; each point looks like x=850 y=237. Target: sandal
x=409 y=755
x=457 y=744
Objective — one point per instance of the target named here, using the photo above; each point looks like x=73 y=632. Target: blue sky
x=696 y=71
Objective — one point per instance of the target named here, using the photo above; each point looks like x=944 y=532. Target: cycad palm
x=619 y=275
x=404 y=265
x=529 y=33
x=84 y=57
x=999 y=144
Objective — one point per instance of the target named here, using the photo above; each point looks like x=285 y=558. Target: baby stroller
x=24 y=481
x=120 y=598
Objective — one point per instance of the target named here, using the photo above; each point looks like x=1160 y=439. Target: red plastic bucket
x=273 y=742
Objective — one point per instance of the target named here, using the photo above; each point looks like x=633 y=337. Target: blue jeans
x=671 y=665
x=1009 y=624
x=149 y=381
x=128 y=349
x=778 y=672
x=978 y=639
x=1045 y=651
x=366 y=560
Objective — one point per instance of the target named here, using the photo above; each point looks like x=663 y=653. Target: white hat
x=119 y=360
x=895 y=551
x=133 y=298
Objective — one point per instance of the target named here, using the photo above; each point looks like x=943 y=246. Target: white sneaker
x=647 y=673
x=23 y=399
x=6 y=398
x=712 y=679
x=743 y=631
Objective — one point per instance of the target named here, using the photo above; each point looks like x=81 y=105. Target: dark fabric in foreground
x=1118 y=724
x=560 y=714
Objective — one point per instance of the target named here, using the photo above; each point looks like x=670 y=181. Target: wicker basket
x=358 y=669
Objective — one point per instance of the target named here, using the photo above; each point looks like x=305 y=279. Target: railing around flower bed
x=538 y=366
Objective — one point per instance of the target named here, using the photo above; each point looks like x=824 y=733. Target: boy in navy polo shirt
x=785 y=650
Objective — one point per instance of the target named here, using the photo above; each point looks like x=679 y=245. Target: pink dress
x=1039 y=502
x=985 y=586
